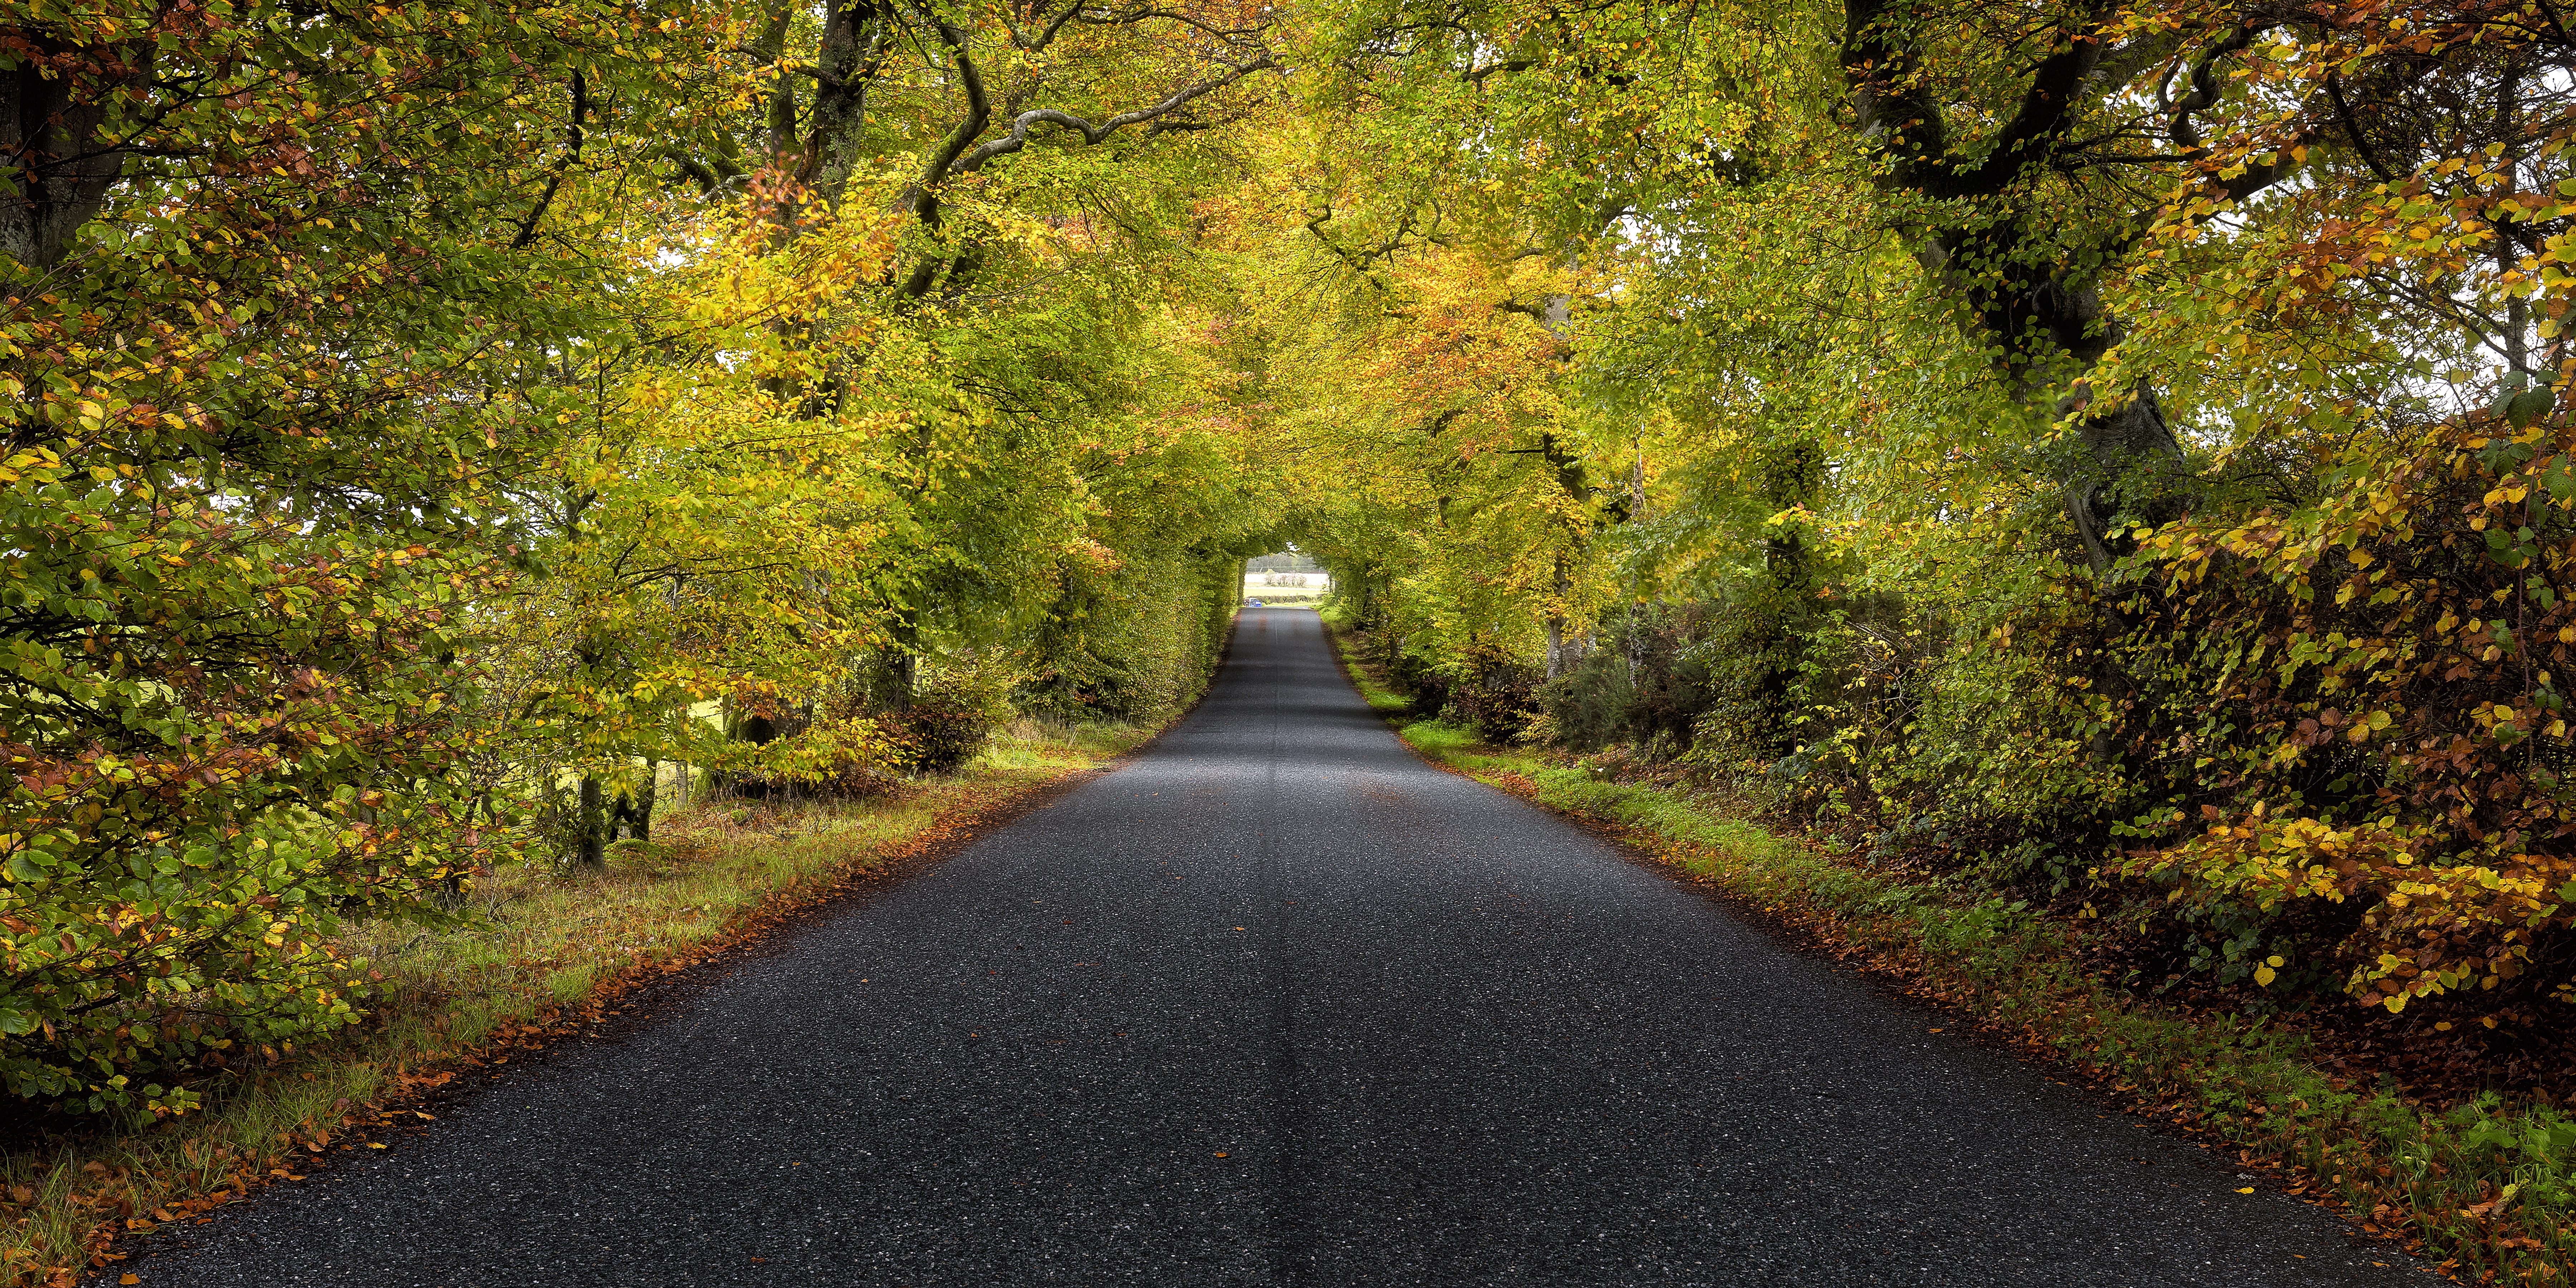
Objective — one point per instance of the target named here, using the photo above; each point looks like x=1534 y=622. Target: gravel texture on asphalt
x=1277 y=1003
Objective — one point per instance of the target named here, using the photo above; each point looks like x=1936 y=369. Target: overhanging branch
x=1018 y=138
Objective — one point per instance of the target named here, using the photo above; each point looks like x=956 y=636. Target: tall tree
x=258 y=262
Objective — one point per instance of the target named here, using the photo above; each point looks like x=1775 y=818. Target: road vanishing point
x=1275 y=1002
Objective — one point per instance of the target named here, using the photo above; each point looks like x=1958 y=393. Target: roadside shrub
x=849 y=757
x=942 y=731
x=1649 y=682
x=2303 y=752
x=963 y=698
x=191 y=806
x=2367 y=734
x=1497 y=695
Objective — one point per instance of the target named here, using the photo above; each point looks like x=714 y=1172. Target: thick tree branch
x=2204 y=89
x=2047 y=108
x=2352 y=129
x=923 y=198
x=1897 y=115
x=1230 y=35
x=1363 y=261
x=979 y=115
x=573 y=138
x=849 y=54
x=1900 y=119
x=1018 y=138
x=769 y=47
x=1046 y=35
x=959 y=154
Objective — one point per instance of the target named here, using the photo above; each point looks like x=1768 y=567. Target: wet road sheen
x=1277 y=1003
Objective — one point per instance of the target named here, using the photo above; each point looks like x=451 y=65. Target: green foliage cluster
x=251 y=285
x=433 y=437
x=2117 y=457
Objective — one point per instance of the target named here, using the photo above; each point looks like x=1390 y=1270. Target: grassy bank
x=2484 y=1189
x=544 y=955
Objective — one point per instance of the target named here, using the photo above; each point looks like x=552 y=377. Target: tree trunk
x=2027 y=298
x=51 y=117
x=2131 y=461
x=901 y=667
x=642 y=827
x=1556 y=660
x=591 y=827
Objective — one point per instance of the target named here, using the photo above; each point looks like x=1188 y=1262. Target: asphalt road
x=1277 y=1003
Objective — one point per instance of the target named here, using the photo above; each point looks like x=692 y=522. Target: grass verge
x=2482 y=1188
x=545 y=956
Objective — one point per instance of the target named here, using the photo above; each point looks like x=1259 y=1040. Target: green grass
x=542 y=952
x=1385 y=700
x=2485 y=1188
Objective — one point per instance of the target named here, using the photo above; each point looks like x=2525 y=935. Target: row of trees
x=424 y=423
x=2110 y=451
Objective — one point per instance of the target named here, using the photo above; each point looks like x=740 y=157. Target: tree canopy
x=2110 y=451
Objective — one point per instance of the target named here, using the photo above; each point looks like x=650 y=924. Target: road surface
x=1276 y=1003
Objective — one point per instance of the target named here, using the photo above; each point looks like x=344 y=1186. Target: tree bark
x=56 y=166
x=640 y=814
x=846 y=59
x=2032 y=300
x=591 y=827
x=1557 y=663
